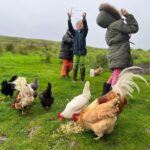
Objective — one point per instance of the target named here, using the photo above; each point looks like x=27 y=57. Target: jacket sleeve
x=85 y=27
x=70 y=27
x=130 y=27
x=67 y=39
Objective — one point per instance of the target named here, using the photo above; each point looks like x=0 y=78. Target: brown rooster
x=101 y=115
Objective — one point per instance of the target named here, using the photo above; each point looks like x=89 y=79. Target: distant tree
x=10 y=47
x=140 y=49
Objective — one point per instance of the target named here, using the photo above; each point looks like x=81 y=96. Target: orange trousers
x=66 y=67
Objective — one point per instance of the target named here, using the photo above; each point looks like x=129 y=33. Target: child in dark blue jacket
x=80 y=50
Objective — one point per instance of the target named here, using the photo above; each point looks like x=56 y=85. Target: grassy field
x=132 y=130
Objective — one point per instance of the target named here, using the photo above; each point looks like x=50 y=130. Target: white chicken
x=76 y=105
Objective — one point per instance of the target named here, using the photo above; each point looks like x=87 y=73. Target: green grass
x=131 y=132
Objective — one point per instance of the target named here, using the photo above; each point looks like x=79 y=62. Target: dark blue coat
x=79 y=38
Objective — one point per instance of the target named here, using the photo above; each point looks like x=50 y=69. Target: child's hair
x=79 y=22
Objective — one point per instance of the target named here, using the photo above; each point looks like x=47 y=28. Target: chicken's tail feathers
x=129 y=69
x=125 y=84
x=86 y=87
x=13 y=78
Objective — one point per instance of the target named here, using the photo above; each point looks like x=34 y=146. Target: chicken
x=34 y=86
x=46 y=97
x=24 y=99
x=101 y=115
x=100 y=118
x=7 y=87
x=25 y=96
x=76 y=105
x=98 y=71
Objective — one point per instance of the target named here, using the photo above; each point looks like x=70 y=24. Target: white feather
x=125 y=84
x=129 y=69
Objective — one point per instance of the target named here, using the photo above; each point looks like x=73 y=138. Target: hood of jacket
x=107 y=15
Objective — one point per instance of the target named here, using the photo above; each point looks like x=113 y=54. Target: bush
x=99 y=60
x=31 y=46
x=135 y=56
x=21 y=49
x=47 y=57
x=10 y=47
x=140 y=50
x=1 y=50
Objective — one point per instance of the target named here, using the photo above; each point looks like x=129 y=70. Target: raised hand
x=84 y=15
x=70 y=14
x=124 y=12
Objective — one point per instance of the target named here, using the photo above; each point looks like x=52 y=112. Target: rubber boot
x=75 y=71
x=106 y=88
x=67 y=71
x=82 y=73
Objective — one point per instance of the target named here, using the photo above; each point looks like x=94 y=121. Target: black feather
x=7 y=87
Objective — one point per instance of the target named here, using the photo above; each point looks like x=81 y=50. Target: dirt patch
x=148 y=130
x=3 y=138
x=32 y=131
x=147 y=148
x=73 y=144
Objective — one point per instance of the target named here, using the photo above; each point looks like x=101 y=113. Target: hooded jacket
x=117 y=35
x=79 y=38
x=66 y=51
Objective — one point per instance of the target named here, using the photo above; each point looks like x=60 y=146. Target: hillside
x=39 y=58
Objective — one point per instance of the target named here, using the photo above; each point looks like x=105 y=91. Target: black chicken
x=46 y=97
x=8 y=87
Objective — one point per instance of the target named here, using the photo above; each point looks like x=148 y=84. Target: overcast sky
x=47 y=19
